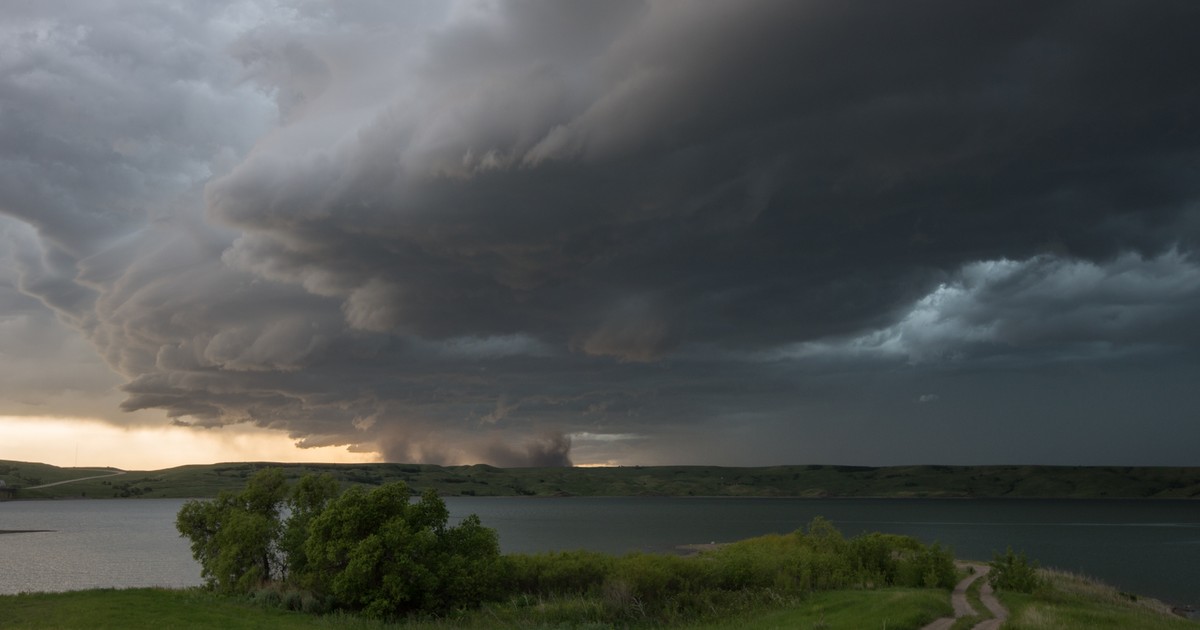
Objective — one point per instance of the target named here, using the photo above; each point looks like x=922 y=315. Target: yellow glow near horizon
x=90 y=442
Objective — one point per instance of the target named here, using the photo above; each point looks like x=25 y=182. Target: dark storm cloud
x=777 y=172
x=1039 y=308
x=468 y=232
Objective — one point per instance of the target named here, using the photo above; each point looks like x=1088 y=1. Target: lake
x=1145 y=547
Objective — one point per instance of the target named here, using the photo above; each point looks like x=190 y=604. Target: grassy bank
x=774 y=481
x=1071 y=602
x=154 y=609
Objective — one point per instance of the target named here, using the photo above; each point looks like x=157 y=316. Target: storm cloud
x=728 y=232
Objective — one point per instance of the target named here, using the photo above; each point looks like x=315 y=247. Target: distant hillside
x=772 y=481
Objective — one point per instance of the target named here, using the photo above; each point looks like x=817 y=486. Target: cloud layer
x=466 y=232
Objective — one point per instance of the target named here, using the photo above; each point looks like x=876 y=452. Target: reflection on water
x=1148 y=547
x=94 y=544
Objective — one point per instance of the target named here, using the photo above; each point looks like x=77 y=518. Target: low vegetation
x=1014 y=573
x=376 y=553
x=1065 y=601
x=775 y=481
x=737 y=578
x=154 y=609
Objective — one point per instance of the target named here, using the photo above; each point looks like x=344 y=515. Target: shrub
x=312 y=604
x=1013 y=572
x=640 y=588
x=878 y=557
x=376 y=552
x=293 y=600
x=558 y=573
x=268 y=597
x=925 y=567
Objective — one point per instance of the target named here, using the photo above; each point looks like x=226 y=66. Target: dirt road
x=962 y=607
x=59 y=483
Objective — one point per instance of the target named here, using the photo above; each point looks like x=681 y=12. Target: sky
x=732 y=232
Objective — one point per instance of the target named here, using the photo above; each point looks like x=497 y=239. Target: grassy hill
x=772 y=481
x=1068 y=603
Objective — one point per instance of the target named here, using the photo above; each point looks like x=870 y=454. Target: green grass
x=1068 y=602
x=24 y=474
x=156 y=609
x=160 y=609
x=886 y=609
x=779 y=481
x=1072 y=602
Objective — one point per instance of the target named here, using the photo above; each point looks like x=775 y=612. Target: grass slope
x=24 y=474
x=1072 y=602
x=154 y=609
x=893 y=609
x=773 y=481
x=1069 y=603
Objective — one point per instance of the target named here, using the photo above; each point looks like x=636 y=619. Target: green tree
x=310 y=497
x=378 y=552
x=234 y=537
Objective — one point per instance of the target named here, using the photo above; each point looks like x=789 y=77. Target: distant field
x=773 y=481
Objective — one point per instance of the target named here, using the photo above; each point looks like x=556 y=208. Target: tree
x=377 y=552
x=234 y=537
x=308 y=499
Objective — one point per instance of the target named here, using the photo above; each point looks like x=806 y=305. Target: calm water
x=1146 y=547
x=96 y=544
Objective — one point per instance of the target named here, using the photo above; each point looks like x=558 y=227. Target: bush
x=312 y=604
x=376 y=552
x=268 y=597
x=558 y=573
x=928 y=567
x=1013 y=572
x=293 y=600
x=878 y=557
x=643 y=588
x=372 y=551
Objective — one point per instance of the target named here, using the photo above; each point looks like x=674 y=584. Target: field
x=134 y=609
x=1071 y=603
x=775 y=481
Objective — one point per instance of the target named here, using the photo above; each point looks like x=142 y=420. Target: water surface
x=94 y=544
x=1147 y=547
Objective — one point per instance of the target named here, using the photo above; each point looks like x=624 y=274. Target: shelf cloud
x=743 y=232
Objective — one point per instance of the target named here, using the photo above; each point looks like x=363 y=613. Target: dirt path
x=999 y=612
x=962 y=607
x=59 y=483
